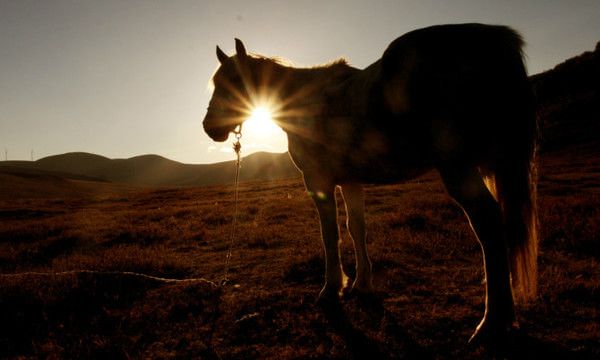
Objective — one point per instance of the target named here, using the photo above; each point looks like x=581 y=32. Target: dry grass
x=427 y=269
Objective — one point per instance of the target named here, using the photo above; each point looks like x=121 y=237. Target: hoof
x=331 y=293
x=496 y=337
x=334 y=290
x=362 y=288
x=329 y=300
x=359 y=292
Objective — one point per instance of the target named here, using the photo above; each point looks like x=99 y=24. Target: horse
x=454 y=98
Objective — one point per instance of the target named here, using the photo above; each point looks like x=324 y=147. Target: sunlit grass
x=426 y=263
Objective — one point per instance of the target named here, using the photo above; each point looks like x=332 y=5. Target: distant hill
x=21 y=182
x=569 y=101
x=155 y=170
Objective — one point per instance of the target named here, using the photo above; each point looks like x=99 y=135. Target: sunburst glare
x=261 y=117
x=260 y=123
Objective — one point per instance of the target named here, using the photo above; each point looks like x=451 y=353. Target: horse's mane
x=341 y=62
x=274 y=59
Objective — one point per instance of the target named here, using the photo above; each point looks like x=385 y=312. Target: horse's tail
x=513 y=180
x=515 y=189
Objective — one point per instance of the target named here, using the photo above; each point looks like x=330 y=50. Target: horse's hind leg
x=467 y=187
x=354 y=199
x=335 y=278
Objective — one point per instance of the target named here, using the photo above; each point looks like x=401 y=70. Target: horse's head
x=231 y=101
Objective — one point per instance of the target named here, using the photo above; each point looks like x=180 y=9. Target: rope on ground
x=96 y=272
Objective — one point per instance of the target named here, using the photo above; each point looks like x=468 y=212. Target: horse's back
x=464 y=87
x=454 y=47
x=440 y=62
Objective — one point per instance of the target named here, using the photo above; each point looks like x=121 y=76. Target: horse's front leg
x=335 y=278
x=354 y=198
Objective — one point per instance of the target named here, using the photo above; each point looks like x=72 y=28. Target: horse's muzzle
x=217 y=133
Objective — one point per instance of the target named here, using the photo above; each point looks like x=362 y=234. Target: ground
x=427 y=268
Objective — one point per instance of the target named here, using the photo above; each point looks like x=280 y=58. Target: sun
x=261 y=132
x=260 y=122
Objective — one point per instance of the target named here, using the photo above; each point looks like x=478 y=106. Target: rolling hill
x=568 y=99
x=154 y=170
x=25 y=183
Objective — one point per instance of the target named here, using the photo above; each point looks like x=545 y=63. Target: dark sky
x=125 y=78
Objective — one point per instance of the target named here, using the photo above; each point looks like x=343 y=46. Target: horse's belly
x=388 y=169
x=384 y=176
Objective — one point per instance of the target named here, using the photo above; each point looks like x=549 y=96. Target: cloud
x=211 y=149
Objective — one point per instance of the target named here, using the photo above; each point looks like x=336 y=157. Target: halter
x=237 y=132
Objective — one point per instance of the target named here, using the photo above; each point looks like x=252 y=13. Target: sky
x=126 y=78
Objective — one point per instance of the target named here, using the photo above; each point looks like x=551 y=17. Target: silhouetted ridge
x=156 y=170
x=75 y=162
x=569 y=100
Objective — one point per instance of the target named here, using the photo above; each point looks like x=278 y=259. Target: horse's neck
x=313 y=100
x=313 y=91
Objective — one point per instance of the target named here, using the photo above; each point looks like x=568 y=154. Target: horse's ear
x=240 y=49
x=221 y=55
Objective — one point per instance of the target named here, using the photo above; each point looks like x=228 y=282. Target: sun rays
x=261 y=131
x=260 y=123
x=260 y=117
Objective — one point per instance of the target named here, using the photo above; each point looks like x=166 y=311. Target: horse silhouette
x=455 y=98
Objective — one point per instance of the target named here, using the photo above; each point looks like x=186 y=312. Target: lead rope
x=237 y=147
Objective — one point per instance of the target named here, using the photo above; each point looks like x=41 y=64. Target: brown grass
x=427 y=269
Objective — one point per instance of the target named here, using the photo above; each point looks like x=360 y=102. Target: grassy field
x=427 y=268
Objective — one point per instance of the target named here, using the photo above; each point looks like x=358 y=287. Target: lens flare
x=260 y=122
x=261 y=116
